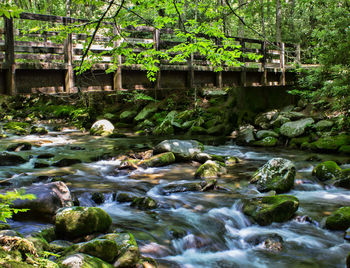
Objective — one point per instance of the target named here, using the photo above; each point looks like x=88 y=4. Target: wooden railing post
x=218 y=76
x=263 y=64
x=156 y=40
x=10 y=80
x=243 y=80
x=68 y=60
x=283 y=64
x=117 y=77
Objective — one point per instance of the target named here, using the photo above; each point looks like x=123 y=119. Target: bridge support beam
x=117 y=76
x=68 y=60
x=10 y=85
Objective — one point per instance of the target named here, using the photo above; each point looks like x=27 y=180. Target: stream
x=191 y=229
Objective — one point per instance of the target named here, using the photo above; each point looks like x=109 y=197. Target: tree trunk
x=263 y=18
x=278 y=21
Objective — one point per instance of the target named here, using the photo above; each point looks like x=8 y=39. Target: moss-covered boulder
x=66 y=162
x=7 y=159
x=147 y=111
x=144 y=203
x=339 y=220
x=261 y=134
x=268 y=209
x=102 y=128
x=80 y=260
x=264 y=120
x=327 y=170
x=182 y=149
x=266 y=142
x=59 y=245
x=330 y=143
x=197 y=130
x=180 y=188
x=279 y=121
x=245 y=135
x=345 y=149
x=17 y=128
x=324 y=125
x=38 y=130
x=17 y=147
x=296 y=128
x=158 y=160
x=210 y=169
x=277 y=174
x=76 y=222
x=127 y=116
x=297 y=142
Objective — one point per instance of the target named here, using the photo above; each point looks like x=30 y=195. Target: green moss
x=331 y=143
x=159 y=160
x=297 y=142
x=266 y=142
x=268 y=209
x=327 y=170
x=345 y=149
x=104 y=249
x=339 y=220
x=144 y=203
x=86 y=260
x=195 y=130
x=210 y=169
x=18 y=128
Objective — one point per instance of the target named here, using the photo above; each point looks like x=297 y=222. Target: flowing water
x=192 y=229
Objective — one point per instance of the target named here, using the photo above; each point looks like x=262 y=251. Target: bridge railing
x=43 y=49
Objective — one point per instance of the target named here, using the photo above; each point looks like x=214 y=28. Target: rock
x=327 y=170
x=129 y=254
x=38 y=130
x=197 y=130
x=127 y=116
x=345 y=149
x=245 y=135
x=292 y=115
x=66 y=162
x=98 y=198
x=125 y=197
x=144 y=203
x=210 y=169
x=147 y=111
x=279 y=121
x=158 y=160
x=271 y=242
x=264 y=120
x=180 y=188
x=76 y=222
x=104 y=249
x=277 y=174
x=41 y=165
x=81 y=260
x=218 y=130
x=261 y=134
x=266 y=142
x=45 y=156
x=59 y=245
x=208 y=184
x=17 y=128
x=49 y=198
x=296 y=128
x=297 y=142
x=232 y=161
x=7 y=159
x=102 y=128
x=182 y=149
x=324 y=125
x=331 y=143
x=185 y=115
x=22 y=146
x=268 y=209
x=339 y=220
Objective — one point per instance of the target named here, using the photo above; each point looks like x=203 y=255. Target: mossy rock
x=158 y=160
x=7 y=159
x=18 y=128
x=297 y=142
x=17 y=147
x=261 y=134
x=180 y=188
x=264 y=120
x=268 y=209
x=277 y=174
x=4 y=226
x=129 y=259
x=245 y=135
x=266 y=142
x=324 y=125
x=81 y=260
x=232 y=161
x=331 y=143
x=125 y=197
x=185 y=115
x=38 y=130
x=182 y=149
x=327 y=170
x=76 y=222
x=196 y=130
x=102 y=128
x=210 y=169
x=296 y=128
x=339 y=220
x=60 y=245
x=66 y=162
x=345 y=149
x=144 y=203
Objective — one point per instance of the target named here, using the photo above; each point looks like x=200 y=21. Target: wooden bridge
x=30 y=62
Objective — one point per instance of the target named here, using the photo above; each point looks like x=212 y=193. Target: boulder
x=268 y=209
x=76 y=222
x=98 y=198
x=339 y=220
x=81 y=260
x=127 y=116
x=277 y=174
x=38 y=130
x=292 y=115
x=324 y=125
x=264 y=120
x=261 y=134
x=210 y=169
x=17 y=147
x=331 y=143
x=158 y=160
x=102 y=128
x=66 y=162
x=125 y=197
x=144 y=203
x=296 y=128
x=279 y=121
x=7 y=159
x=59 y=245
x=245 y=135
x=180 y=188
x=49 y=198
x=266 y=142
x=345 y=149
x=182 y=149
x=327 y=170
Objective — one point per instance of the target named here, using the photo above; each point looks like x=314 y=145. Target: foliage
x=134 y=96
x=6 y=211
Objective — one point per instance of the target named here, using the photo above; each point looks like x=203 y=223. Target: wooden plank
x=37 y=44
x=39 y=57
x=50 y=18
x=42 y=50
x=10 y=78
x=282 y=64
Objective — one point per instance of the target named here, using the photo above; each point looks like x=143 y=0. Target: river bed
x=191 y=229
